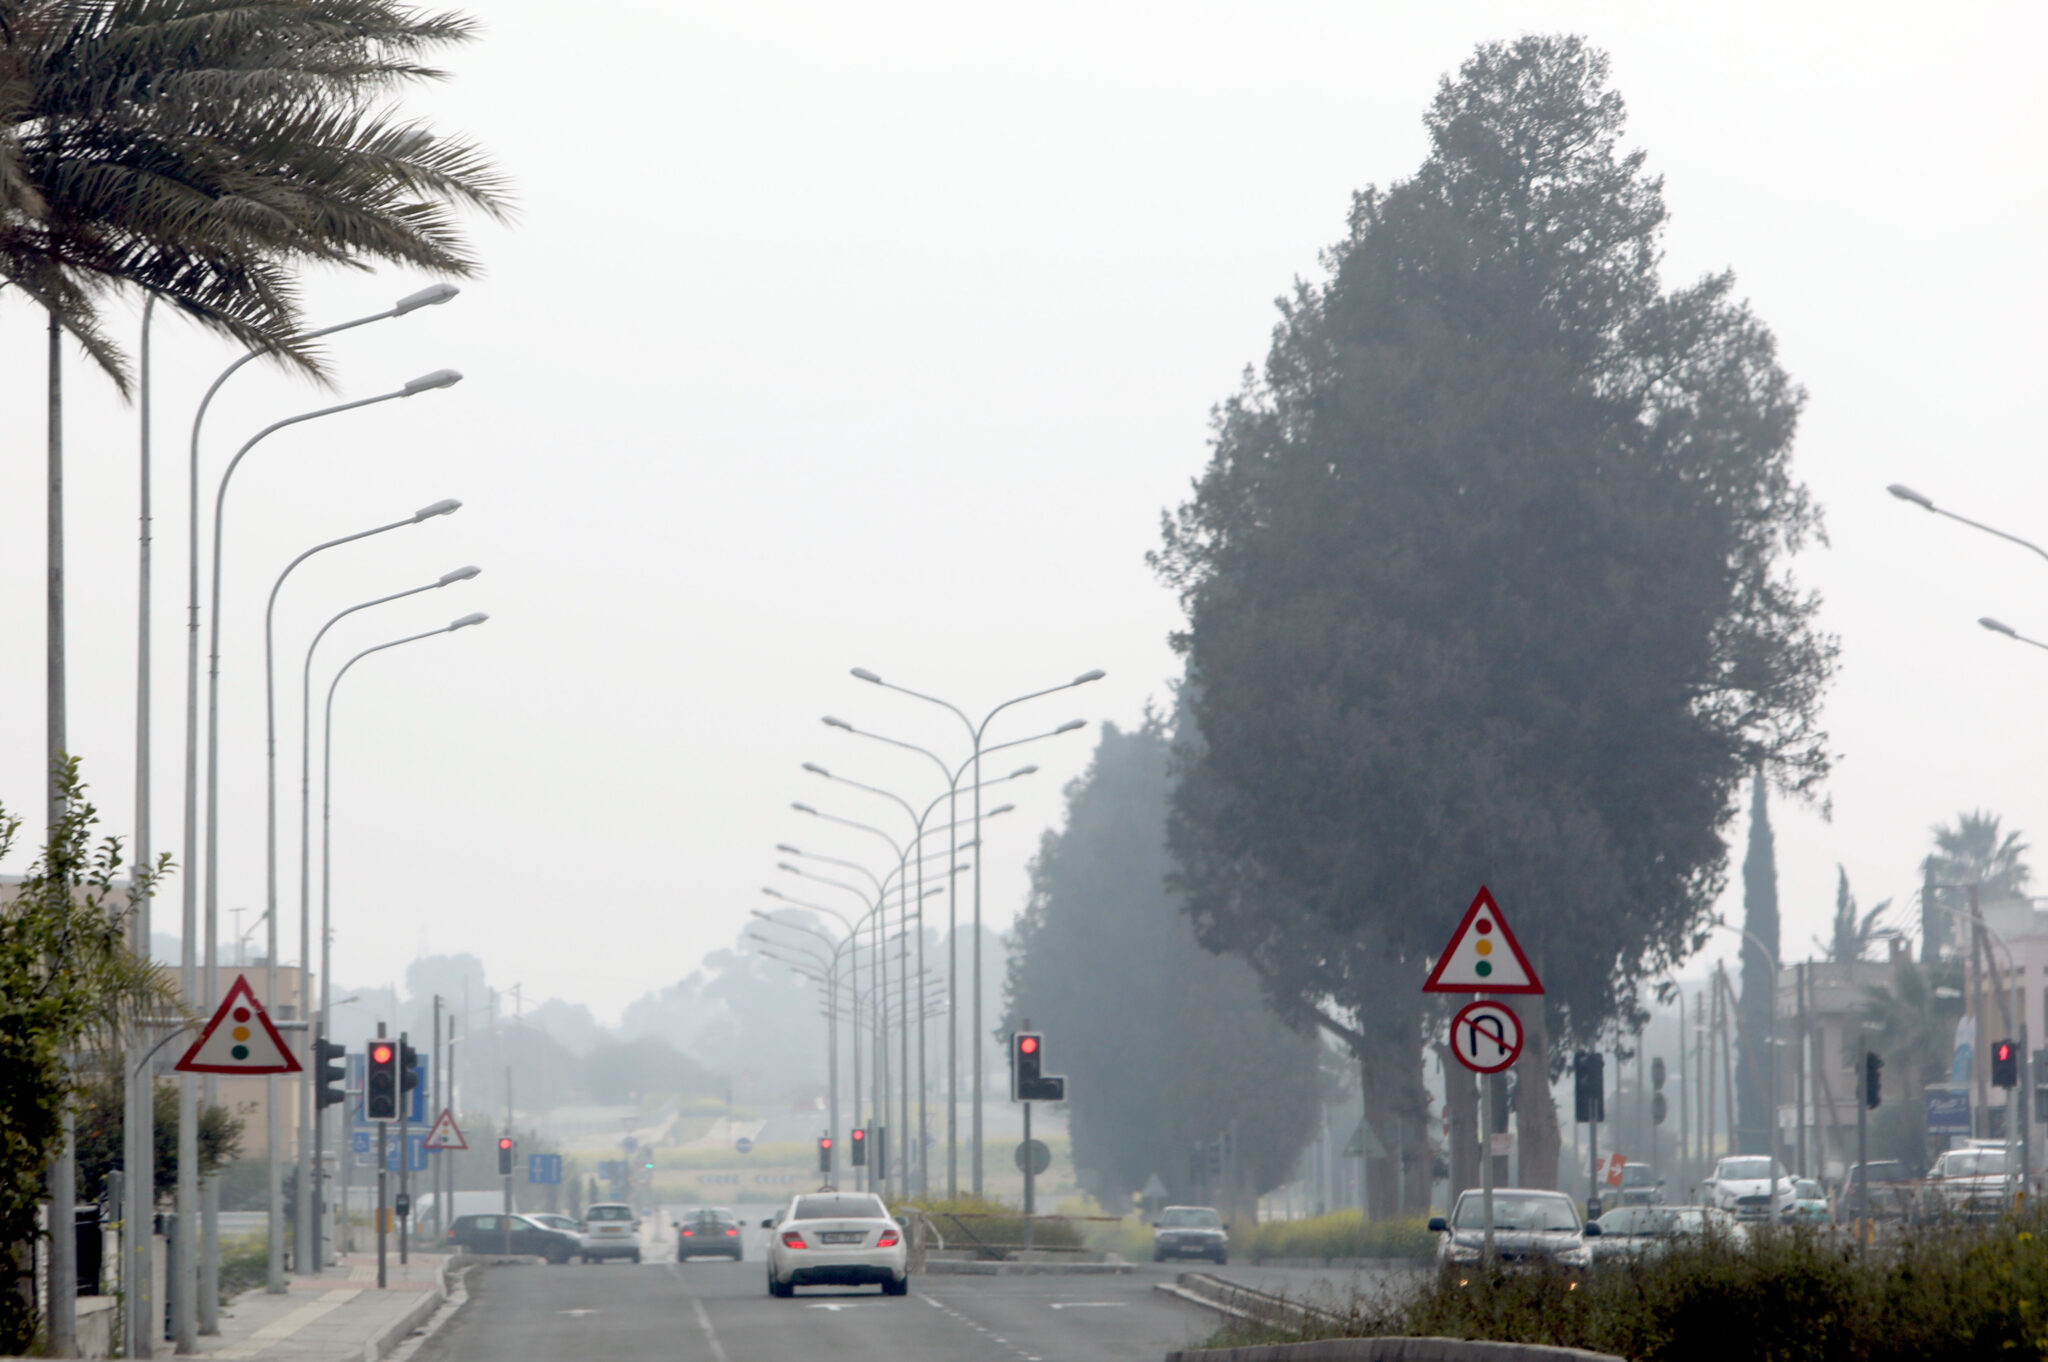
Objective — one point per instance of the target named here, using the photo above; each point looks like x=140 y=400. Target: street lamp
x=327 y=785
x=1905 y=493
x=195 y=1293
x=273 y=1118
x=310 y=1149
x=952 y=777
x=2000 y=627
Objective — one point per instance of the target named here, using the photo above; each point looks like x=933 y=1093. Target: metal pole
x=953 y=989
x=978 y=1040
x=1486 y=1171
x=139 y=1119
x=383 y=1158
x=435 y=1100
x=1862 y=1142
x=63 y=1278
x=1684 y=1105
x=404 y=1152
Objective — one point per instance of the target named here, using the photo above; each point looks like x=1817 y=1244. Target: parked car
x=1190 y=1232
x=1630 y=1232
x=1749 y=1187
x=610 y=1230
x=566 y=1224
x=1809 y=1204
x=1971 y=1182
x=836 y=1239
x=1894 y=1192
x=516 y=1234
x=709 y=1233
x=1640 y=1186
x=1530 y=1227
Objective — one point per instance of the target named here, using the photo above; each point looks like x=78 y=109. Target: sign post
x=1486 y=1036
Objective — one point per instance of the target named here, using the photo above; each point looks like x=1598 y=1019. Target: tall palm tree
x=1852 y=936
x=1970 y=852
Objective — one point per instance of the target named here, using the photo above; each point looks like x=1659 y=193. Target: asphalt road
x=713 y=1311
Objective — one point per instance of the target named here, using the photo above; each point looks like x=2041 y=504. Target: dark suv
x=703 y=1234
x=489 y=1234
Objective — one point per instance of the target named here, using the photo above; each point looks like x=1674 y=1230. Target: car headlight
x=1581 y=1256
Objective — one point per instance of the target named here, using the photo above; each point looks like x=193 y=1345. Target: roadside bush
x=1950 y=1292
x=1342 y=1234
x=961 y=1221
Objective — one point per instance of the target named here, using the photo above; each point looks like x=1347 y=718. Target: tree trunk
x=1538 y=1135
x=1461 y=1094
x=63 y=1277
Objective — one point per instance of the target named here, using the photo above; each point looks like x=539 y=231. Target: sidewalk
x=338 y=1315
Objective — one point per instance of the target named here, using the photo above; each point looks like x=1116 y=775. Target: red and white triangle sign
x=446 y=1134
x=1483 y=956
x=239 y=1040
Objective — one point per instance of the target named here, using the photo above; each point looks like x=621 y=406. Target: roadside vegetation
x=1949 y=1292
x=1342 y=1234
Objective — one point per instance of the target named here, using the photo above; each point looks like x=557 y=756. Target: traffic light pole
x=1486 y=1086
x=1030 y=1179
x=405 y=1084
x=383 y=1155
x=1862 y=1146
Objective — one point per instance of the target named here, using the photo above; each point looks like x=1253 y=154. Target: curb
x=941 y=1267
x=428 y=1317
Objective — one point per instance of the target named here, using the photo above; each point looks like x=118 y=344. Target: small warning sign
x=1483 y=956
x=240 y=1039
x=446 y=1134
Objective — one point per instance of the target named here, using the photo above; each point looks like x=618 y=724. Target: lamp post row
x=194 y=1290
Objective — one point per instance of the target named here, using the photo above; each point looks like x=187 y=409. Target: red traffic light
x=1028 y=1045
x=380 y=1054
x=859 y=1135
x=825 y=1142
x=505 y=1143
x=2004 y=1051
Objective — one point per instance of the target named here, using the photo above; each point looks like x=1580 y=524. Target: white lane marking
x=710 y=1334
x=1089 y=1305
x=833 y=1305
x=576 y=1314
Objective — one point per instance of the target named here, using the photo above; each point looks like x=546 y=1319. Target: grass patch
x=1342 y=1234
x=244 y=1264
x=1793 y=1295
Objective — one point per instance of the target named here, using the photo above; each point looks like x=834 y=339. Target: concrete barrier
x=1392 y=1350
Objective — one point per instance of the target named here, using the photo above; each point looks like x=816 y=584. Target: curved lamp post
x=2000 y=627
x=194 y=1292
x=311 y=1148
x=272 y=1116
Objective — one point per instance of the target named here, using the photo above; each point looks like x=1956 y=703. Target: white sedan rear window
x=609 y=1213
x=839 y=1208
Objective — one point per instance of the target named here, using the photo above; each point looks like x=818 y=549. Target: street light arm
x=1070 y=726
x=1083 y=679
x=2000 y=627
x=944 y=770
x=863 y=674
x=851 y=823
x=802 y=874
x=900 y=802
x=856 y=866
x=1905 y=493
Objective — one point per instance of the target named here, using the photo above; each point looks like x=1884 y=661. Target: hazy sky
x=880 y=335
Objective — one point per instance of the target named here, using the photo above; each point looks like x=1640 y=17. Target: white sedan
x=836 y=1239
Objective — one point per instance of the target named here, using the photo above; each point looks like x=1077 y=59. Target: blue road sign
x=543 y=1169
x=363 y=1145
x=743 y=1145
x=1948 y=1111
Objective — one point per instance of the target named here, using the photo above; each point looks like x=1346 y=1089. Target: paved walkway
x=335 y=1315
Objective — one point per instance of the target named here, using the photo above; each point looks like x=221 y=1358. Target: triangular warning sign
x=239 y=1039
x=1483 y=956
x=445 y=1134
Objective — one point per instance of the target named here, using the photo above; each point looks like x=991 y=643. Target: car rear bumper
x=810 y=1267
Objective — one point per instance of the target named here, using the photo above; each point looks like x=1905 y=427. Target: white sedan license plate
x=842 y=1237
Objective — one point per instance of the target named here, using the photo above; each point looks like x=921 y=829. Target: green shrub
x=244 y=1264
x=1342 y=1234
x=1950 y=1292
x=961 y=1221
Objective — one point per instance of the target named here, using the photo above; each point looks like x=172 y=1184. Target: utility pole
x=406 y=1082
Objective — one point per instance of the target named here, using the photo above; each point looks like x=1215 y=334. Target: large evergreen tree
x=1485 y=582
x=1759 y=982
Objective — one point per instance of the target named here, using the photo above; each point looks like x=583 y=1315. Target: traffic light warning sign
x=446 y=1134
x=239 y=1039
x=1483 y=956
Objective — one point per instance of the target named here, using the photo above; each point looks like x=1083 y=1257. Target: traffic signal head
x=824 y=1153
x=1028 y=1080
x=408 y=1066
x=329 y=1075
x=505 y=1154
x=1873 y=1066
x=2005 y=1065
x=1660 y=1108
x=1589 y=1086
x=380 y=1082
x=1657 y=1074
x=860 y=1146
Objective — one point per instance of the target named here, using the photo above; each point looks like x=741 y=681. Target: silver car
x=1530 y=1226
x=836 y=1239
x=1190 y=1232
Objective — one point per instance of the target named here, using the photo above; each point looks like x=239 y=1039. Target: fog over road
x=712 y=1311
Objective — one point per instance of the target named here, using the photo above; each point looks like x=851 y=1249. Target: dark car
x=1190 y=1232
x=513 y=1234
x=709 y=1234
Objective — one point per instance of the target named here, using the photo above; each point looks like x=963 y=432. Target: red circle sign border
x=1513 y=1054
